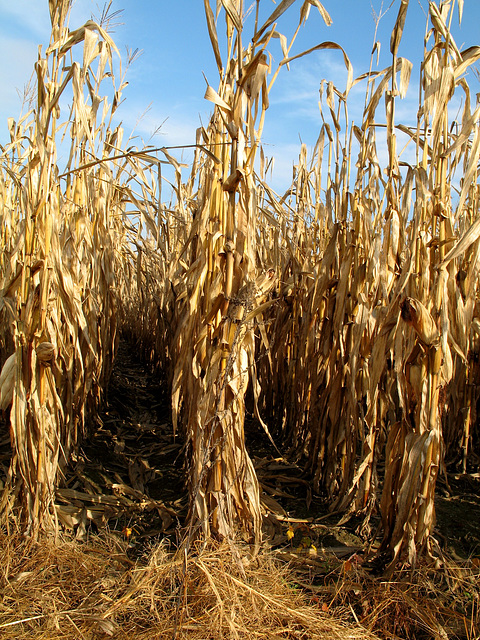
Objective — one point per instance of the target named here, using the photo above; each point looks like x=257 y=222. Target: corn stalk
x=227 y=288
x=57 y=273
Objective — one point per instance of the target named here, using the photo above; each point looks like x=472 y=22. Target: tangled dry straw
x=66 y=591
x=429 y=602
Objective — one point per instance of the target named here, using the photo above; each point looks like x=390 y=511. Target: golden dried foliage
x=58 y=304
x=348 y=306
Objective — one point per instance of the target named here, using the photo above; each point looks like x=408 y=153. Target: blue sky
x=166 y=83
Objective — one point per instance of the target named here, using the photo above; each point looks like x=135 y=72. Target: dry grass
x=95 y=590
x=67 y=590
x=431 y=602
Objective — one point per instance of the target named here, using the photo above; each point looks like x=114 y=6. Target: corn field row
x=343 y=313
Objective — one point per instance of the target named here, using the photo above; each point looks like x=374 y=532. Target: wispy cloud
x=31 y=18
x=160 y=123
x=25 y=26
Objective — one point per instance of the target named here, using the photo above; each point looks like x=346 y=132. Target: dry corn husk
x=7 y=382
x=45 y=353
x=57 y=282
x=417 y=316
x=331 y=363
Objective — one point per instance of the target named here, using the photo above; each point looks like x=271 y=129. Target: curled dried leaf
x=45 y=353
x=415 y=314
x=7 y=382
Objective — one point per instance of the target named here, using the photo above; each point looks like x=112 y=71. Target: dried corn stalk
x=58 y=306
x=226 y=288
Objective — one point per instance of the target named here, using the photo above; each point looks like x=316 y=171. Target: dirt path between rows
x=129 y=476
x=133 y=469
